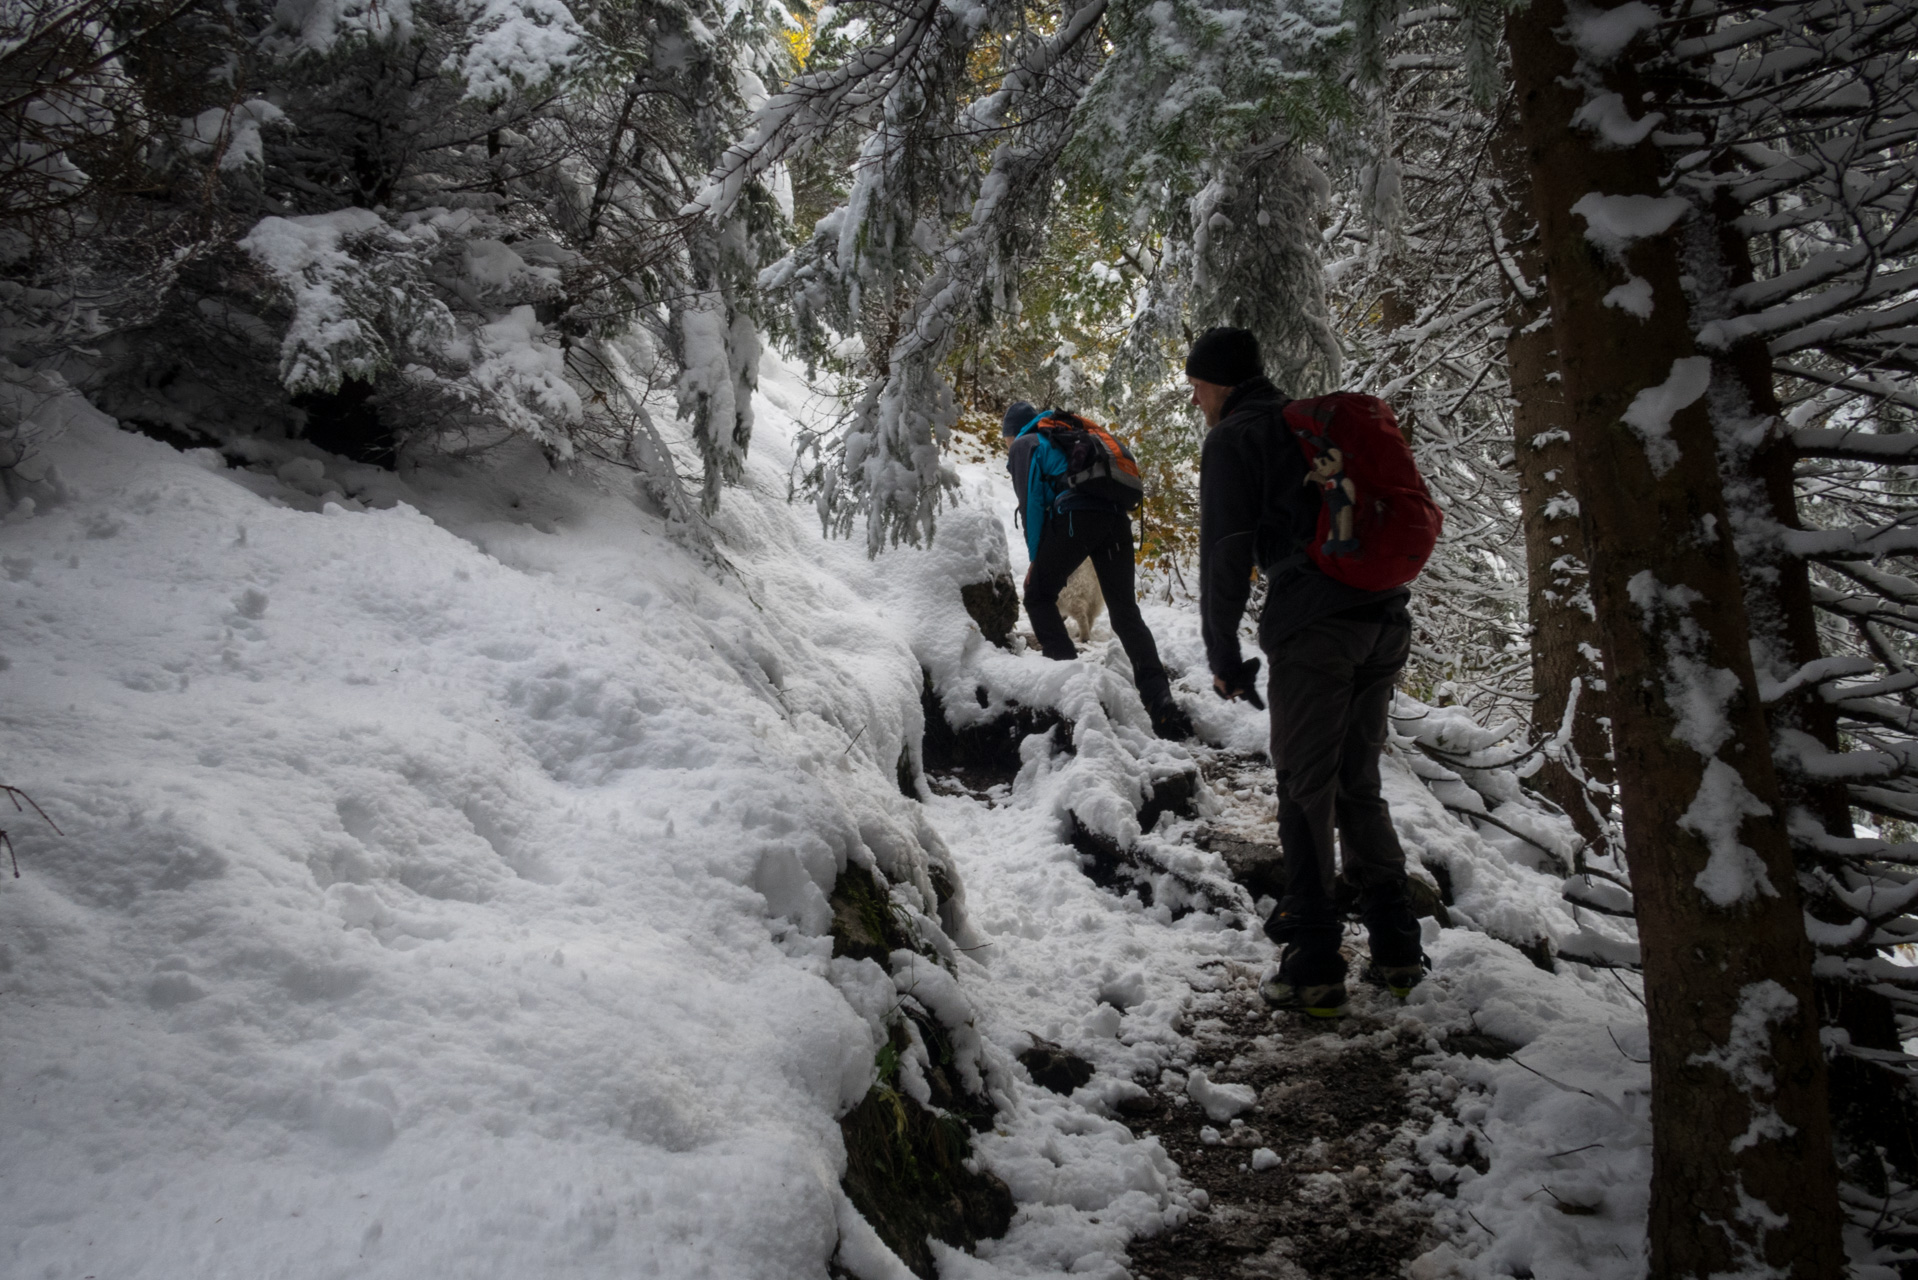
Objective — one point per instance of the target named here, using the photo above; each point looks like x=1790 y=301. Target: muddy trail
x=1320 y=1177
x=1340 y=1105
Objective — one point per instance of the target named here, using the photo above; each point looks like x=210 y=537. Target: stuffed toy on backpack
x=1377 y=523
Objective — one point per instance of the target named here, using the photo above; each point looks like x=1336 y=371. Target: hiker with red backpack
x=1322 y=497
x=1076 y=484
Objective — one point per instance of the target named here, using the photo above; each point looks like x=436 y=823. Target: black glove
x=1245 y=684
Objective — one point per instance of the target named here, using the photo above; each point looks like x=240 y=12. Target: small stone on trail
x=1243 y=1137
x=1055 y=1068
x=1221 y=1101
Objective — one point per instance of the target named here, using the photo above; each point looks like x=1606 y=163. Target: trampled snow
x=442 y=889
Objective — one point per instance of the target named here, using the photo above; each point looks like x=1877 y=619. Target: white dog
x=1081 y=601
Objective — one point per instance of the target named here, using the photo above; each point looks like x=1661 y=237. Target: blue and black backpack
x=1076 y=455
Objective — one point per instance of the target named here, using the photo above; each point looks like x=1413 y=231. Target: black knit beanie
x=1226 y=357
x=1016 y=417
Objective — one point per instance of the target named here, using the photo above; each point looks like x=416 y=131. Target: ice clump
x=1220 y=1101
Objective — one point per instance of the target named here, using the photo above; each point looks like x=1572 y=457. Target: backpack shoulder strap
x=1045 y=463
x=1273 y=539
x=1305 y=422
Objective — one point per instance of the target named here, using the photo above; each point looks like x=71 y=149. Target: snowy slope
x=426 y=894
x=402 y=909
x=442 y=882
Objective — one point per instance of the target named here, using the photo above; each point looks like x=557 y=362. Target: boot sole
x=1400 y=991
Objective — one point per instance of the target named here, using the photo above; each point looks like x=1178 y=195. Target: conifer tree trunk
x=1874 y=1111
x=1763 y=494
x=1742 y=1171
x=1564 y=628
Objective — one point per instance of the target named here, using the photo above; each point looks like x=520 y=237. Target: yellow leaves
x=984 y=68
x=799 y=35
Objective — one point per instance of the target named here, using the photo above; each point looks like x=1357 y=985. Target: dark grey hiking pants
x=1105 y=538
x=1329 y=690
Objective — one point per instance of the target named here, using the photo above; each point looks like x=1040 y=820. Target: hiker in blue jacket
x=1063 y=528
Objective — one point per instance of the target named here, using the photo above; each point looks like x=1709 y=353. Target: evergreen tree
x=414 y=226
x=1181 y=121
x=1741 y=1133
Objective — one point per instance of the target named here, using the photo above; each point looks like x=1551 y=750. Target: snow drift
x=439 y=893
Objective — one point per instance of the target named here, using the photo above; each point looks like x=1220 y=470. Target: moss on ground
x=906 y=1174
x=864 y=924
x=906 y=1164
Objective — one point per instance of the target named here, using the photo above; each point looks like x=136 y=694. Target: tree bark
x=1742 y=1170
x=1873 y=1107
x=1564 y=627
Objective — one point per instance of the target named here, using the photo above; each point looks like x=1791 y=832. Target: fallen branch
x=1558 y=859
x=21 y=803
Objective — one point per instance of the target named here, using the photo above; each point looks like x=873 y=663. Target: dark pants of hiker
x=1330 y=688
x=1070 y=537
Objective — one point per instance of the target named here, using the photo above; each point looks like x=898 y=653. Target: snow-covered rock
x=1220 y=1101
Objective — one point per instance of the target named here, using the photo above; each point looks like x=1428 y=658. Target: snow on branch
x=1815 y=672
x=812 y=106
x=1861 y=543
x=924 y=281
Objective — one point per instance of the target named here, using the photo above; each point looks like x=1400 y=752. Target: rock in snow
x=1220 y=1101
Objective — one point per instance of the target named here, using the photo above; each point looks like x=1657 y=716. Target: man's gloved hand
x=1244 y=684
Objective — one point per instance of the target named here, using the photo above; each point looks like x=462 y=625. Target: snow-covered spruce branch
x=1832 y=265
x=1809 y=112
x=1828 y=24
x=1875 y=902
x=1879 y=715
x=1897 y=537
x=1894 y=587
x=883 y=268
x=890 y=450
x=1817 y=672
x=814 y=105
x=1847 y=445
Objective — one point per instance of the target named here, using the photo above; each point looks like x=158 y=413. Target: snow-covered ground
x=440 y=890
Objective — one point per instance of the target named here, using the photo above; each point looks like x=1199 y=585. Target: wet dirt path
x=1340 y=1104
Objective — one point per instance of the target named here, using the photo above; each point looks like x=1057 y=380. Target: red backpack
x=1377 y=521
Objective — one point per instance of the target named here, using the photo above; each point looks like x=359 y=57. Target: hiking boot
x=1170 y=721
x=1309 y=977
x=1399 y=979
x=1316 y=1000
x=1398 y=961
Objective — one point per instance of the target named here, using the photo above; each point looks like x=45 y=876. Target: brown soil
x=1345 y=1203
x=1346 y=1200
